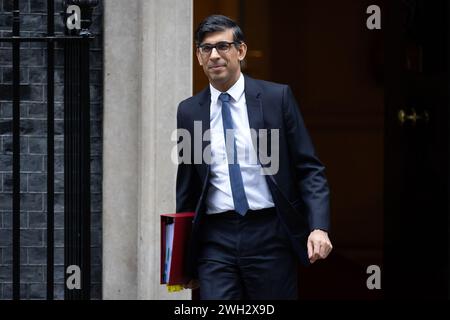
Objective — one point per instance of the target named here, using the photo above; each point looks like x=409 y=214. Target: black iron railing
x=77 y=209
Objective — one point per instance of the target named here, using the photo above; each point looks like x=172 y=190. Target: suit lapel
x=254 y=108
x=202 y=114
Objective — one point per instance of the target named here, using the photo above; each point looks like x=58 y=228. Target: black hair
x=215 y=23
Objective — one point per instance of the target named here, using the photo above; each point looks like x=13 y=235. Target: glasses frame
x=214 y=46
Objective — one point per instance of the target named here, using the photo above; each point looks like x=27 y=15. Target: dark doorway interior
x=416 y=186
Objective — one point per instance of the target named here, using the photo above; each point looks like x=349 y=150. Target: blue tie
x=237 y=185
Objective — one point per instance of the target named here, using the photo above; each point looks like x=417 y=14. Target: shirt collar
x=235 y=91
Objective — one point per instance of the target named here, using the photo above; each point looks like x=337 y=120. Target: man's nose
x=214 y=54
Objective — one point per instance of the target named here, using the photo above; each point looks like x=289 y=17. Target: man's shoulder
x=265 y=86
x=265 y=83
x=197 y=98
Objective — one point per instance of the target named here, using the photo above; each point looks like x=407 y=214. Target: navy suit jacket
x=299 y=189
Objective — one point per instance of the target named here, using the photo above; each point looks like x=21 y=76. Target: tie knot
x=224 y=97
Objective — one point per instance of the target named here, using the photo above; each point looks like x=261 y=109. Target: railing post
x=16 y=151
x=77 y=211
x=50 y=151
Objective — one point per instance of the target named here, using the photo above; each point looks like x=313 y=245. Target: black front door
x=416 y=149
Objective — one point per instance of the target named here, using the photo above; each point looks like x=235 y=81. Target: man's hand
x=319 y=245
x=192 y=284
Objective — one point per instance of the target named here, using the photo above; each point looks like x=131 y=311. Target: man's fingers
x=329 y=247
x=192 y=284
x=320 y=250
x=316 y=245
x=313 y=251
x=187 y=285
x=323 y=251
x=310 y=249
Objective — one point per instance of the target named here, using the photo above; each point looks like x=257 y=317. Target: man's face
x=222 y=68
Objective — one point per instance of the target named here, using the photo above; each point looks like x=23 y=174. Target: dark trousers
x=246 y=257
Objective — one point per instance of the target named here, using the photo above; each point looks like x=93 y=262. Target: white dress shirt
x=219 y=198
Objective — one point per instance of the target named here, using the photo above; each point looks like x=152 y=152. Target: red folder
x=182 y=227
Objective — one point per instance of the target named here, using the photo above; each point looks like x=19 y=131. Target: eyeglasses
x=221 y=47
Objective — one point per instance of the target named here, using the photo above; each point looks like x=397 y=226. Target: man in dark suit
x=254 y=219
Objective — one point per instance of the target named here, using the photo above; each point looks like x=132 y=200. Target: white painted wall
x=148 y=71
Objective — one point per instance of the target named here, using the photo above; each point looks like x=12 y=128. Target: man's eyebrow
x=216 y=42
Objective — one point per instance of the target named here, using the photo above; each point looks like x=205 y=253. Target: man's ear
x=242 y=51
x=199 y=57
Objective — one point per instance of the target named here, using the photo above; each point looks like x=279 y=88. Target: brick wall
x=34 y=149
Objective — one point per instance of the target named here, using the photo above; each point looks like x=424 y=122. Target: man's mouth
x=216 y=67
